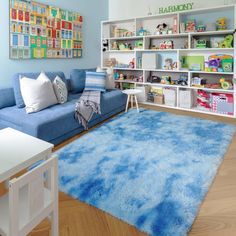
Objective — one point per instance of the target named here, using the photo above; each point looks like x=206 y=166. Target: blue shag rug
x=150 y=169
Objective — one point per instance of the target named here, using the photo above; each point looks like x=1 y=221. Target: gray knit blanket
x=88 y=104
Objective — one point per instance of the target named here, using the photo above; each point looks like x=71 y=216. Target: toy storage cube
x=159 y=99
x=149 y=60
x=223 y=103
x=185 y=98
x=142 y=97
x=150 y=97
x=169 y=97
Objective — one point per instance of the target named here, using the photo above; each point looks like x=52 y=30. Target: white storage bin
x=185 y=98
x=149 y=60
x=169 y=97
x=142 y=97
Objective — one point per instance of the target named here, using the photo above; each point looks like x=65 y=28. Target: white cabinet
x=193 y=50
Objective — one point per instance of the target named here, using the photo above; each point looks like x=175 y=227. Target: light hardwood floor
x=217 y=215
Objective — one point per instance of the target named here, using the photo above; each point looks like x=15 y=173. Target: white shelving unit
x=125 y=32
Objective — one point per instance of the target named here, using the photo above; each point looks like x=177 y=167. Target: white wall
x=135 y=8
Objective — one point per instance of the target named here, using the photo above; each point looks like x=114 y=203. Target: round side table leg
x=136 y=101
x=127 y=103
x=132 y=101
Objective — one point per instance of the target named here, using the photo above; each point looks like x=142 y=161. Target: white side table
x=131 y=97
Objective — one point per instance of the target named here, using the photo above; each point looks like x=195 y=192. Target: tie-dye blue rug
x=150 y=169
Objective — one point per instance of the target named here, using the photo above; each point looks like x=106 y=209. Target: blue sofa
x=54 y=124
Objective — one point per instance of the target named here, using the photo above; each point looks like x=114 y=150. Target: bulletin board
x=40 y=31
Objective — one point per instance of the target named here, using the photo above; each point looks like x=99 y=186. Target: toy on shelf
x=138 y=44
x=105 y=45
x=125 y=46
x=114 y=46
x=142 y=32
x=183 y=80
x=138 y=79
x=121 y=65
x=154 y=79
x=227 y=85
x=162 y=29
x=175 y=25
x=203 y=99
x=122 y=77
x=219 y=63
x=198 y=82
x=201 y=28
x=110 y=62
x=168 y=64
x=227 y=64
x=193 y=63
x=132 y=63
x=228 y=42
x=116 y=76
x=221 y=24
x=190 y=26
x=165 y=79
x=118 y=32
x=202 y=43
x=168 y=44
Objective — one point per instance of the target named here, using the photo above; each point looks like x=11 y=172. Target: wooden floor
x=217 y=215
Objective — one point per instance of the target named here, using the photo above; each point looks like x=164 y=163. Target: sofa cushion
x=77 y=80
x=16 y=83
x=7 y=98
x=58 y=120
x=110 y=82
x=95 y=81
x=37 y=94
x=60 y=90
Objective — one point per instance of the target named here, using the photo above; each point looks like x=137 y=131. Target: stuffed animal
x=228 y=42
x=161 y=28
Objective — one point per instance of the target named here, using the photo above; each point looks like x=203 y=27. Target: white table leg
x=132 y=101
x=127 y=103
x=136 y=101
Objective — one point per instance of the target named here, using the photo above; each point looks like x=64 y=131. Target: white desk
x=18 y=151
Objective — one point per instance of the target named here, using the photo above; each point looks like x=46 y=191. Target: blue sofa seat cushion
x=57 y=120
x=7 y=98
x=77 y=79
x=16 y=83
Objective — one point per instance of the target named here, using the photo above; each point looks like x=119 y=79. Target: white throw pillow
x=110 y=83
x=60 y=90
x=37 y=94
x=43 y=77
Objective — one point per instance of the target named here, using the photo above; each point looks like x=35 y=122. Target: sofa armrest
x=7 y=98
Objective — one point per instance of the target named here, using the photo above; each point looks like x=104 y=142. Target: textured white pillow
x=37 y=94
x=60 y=90
x=110 y=83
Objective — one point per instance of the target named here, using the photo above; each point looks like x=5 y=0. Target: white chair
x=30 y=200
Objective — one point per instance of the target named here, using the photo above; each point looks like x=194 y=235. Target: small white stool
x=131 y=97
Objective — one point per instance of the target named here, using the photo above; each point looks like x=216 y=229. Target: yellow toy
x=221 y=24
x=225 y=84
